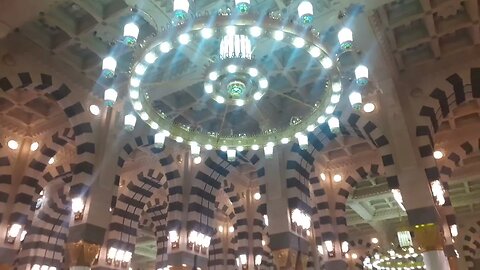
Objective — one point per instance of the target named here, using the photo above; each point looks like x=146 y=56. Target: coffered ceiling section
x=423 y=30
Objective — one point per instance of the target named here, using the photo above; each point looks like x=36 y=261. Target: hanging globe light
x=355 y=99
x=130 y=33
x=305 y=12
x=242 y=5
x=110 y=96
x=130 y=121
x=345 y=38
x=334 y=124
x=109 y=65
x=361 y=75
x=180 y=9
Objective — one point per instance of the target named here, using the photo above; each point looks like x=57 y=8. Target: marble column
x=430 y=241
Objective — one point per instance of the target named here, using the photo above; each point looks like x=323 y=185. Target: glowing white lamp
x=34 y=146
x=129 y=122
x=110 y=96
x=180 y=9
x=355 y=99
x=173 y=236
x=242 y=5
x=268 y=150
x=159 y=139
x=130 y=33
x=302 y=140
x=345 y=247
x=12 y=144
x=78 y=205
x=328 y=245
x=231 y=154
x=257 y=196
x=109 y=65
x=243 y=259
x=454 y=230
x=305 y=12
x=258 y=259
x=345 y=38
x=334 y=124
x=361 y=75
x=14 y=230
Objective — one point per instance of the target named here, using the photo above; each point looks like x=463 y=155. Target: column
x=81 y=255
x=288 y=248
x=430 y=241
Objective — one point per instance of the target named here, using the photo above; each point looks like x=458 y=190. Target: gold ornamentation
x=82 y=254
x=428 y=237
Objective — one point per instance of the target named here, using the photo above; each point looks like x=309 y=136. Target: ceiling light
x=220 y=99
x=355 y=99
x=231 y=68
x=369 y=107
x=258 y=95
x=298 y=42
x=213 y=76
x=208 y=88
x=154 y=125
x=315 y=51
x=255 y=31
x=110 y=96
x=134 y=94
x=129 y=121
x=354 y=256
x=150 y=57
x=321 y=119
x=179 y=139
x=323 y=176
x=144 y=116
x=257 y=196
x=137 y=105
x=140 y=69
x=335 y=99
x=255 y=147
x=326 y=62
x=231 y=155
x=220 y=229
x=337 y=178
x=310 y=128
x=109 y=64
x=209 y=147
x=197 y=160
x=264 y=242
x=165 y=47
x=206 y=33
x=374 y=240
x=345 y=38
x=333 y=124
x=240 y=148
x=253 y=72
x=231 y=229
x=135 y=82
x=263 y=83
x=278 y=35
x=12 y=144
x=184 y=39
x=51 y=160
x=240 y=102
x=94 y=109
x=361 y=75
x=34 y=146
x=329 y=109
x=223 y=148
x=285 y=140
x=438 y=154
x=337 y=87
x=230 y=30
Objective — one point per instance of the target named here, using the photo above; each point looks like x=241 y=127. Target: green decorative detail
x=108 y=103
x=180 y=15
x=129 y=41
x=243 y=7
x=236 y=89
x=107 y=73
x=346 y=45
x=362 y=81
x=307 y=19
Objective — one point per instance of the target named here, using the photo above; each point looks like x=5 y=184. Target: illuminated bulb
x=206 y=33
x=137 y=105
x=78 y=204
x=257 y=196
x=165 y=47
x=337 y=178
x=333 y=124
x=315 y=51
x=374 y=240
x=231 y=154
x=326 y=62
x=150 y=57
x=220 y=229
x=369 y=107
x=179 y=139
x=184 y=39
x=135 y=82
x=34 y=146
x=345 y=38
x=51 y=160
x=94 y=109
x=355 y=99
x=257 y=95
x=197 y=160
x=213 y=76
x=321 y=119
x=310 y=128
x=255 y=31
x=130 y=33
x=323 y=176
x=253 y=72
x=231 y=229
x=337 y=87
x=208 y=147
x=263 y=83
x=335 y=99
x=144 y=116
x=208 y=88
x=255 y=147
x=223 y=148
x=361 y=75
x=154 y=125
x=231 y=68
x=438 y=154
x=239 y=102
x=220 y=99
x=278 y=35
x=109 y=65
x=129 y=121
x=285 y=140
x=330 y=109
x=354 y=256
x=159 y=139
x=230 y=30
x=140 y=69
x=240 y=148
x=264 y=243
x=110 y=96
x=298 y=42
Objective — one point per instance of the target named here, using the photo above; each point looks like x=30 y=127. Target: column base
x=435 y=260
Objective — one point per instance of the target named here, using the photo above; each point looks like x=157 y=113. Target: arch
x=300 y=172
x=157 y=210
x=5 y=179
x=471 y=244
x=216 y=256
x=32 y=181
x=77 y=115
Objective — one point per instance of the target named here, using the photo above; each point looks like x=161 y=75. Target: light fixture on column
x=13 y=232
x=180 y=9
x=34 y=146
x=12 y=144
x=130 y=33
x=329 y=247
x=265 y=220
x=337 y=178
x=94 y=110
x=397 y=195
x=43 y=267
x=198 y=242
x=118 y=257
x=23 y=235
x=40 y=199
x=301 y=222
x=345 y=247
x=320 y=250
x=110 y=96
x=454 y=230
x=323 y=176
x=334 y=124
x=257 y=196
x=345 y=38
x=302 y=140
x=78 y=206
x=258 y=260
x=437 y=154
x=231 y=229
x=243 y=261
x=355 y=99
x=369 y=107
x=361 y=75
x=438 y=192
x=159 y=139
x=129 y=122
x=404 y=238
x=174 y=239
x=242 y=5
x=231 y=155
x=109 y=65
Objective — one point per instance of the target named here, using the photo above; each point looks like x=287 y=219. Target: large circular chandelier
x=234 y=79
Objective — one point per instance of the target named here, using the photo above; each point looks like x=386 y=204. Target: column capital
x=428 y=237
x=82 y=253
x=289 y=259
